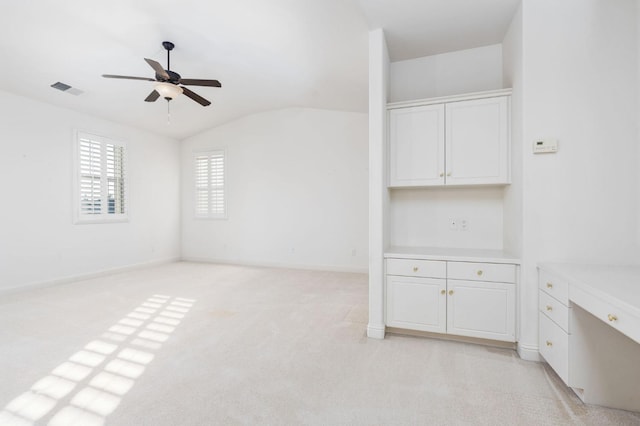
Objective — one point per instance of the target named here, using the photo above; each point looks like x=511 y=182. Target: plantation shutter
x=101 y=168
x=90 y=177
x=115 y=179
x=210 y=194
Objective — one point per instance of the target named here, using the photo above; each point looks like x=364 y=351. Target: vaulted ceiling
x=268 y=54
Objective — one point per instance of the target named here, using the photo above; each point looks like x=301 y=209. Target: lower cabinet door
x=481 y=309
x=416 y=303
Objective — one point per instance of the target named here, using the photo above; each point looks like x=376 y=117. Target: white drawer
x=496 y=272
x=628 y=323
x=555 y=310
x=417 y=268
x=554 y=286
x=554 y=347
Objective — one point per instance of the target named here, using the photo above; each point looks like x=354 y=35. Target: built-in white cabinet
x=417 y=146
x=412 y=285
x=473 y=299
x=459 y=141
x=553 y=334
x=589 y=330
x=417 y=303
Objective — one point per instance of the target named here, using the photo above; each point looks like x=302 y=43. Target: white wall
x=512 y=57
x=420 y=217
x=378 y=193
x=638 y=113
x=580 y=86
x=296 y=191
x=464 y=71
x=513 y=74
x=38 y=241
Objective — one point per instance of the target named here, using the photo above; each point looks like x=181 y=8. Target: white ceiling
x=268 y=54
x=416 y=28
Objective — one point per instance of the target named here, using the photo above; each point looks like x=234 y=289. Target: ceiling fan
x=170 y=83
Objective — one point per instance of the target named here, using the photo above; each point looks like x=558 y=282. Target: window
x=100 y=189
x=210 y=198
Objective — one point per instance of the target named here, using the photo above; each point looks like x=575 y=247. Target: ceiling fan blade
x=199 y=99
x=158 y=68
x=197 y=82
x=153 y=96
x=127 y=77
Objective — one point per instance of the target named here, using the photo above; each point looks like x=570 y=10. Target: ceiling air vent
x=67 y=89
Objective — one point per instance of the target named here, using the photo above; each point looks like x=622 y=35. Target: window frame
x=209 y=153
x=78 y=217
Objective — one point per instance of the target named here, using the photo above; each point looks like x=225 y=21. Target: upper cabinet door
x=477 y=151
x=416 y=146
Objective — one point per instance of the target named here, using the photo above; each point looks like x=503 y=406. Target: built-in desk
x=590 y=330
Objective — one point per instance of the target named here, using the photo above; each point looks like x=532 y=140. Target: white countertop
x=617 y=285
x=451 y=254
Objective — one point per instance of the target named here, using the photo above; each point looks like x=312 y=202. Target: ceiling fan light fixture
x=168 y=91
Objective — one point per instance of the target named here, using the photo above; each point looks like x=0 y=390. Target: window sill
x=100 y=220
x=210 y=218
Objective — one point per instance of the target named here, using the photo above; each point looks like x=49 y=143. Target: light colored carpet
x=201 y=344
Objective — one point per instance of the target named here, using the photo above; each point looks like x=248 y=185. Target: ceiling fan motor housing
x=174 y=77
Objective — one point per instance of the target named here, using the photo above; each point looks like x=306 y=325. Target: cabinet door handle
x=441 y=174
x=449 y=174
x=450 y=292
x=549 y=343
x=549 y=285
x=479 y=272
x=415 y=269
x=549 y=308
x=612 y=318
x=443 y=292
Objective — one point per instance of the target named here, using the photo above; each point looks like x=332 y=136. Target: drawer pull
x=612 y=318
x=549 y=343
x=450 y=292
x=549 y=285
x=549 y=308
x=479 y=272
x=415 y=269
x=443 y=291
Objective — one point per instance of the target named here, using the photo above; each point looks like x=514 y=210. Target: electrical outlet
x=453 y=224
x=464 y=224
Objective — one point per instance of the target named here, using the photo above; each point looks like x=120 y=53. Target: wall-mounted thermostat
x=542 y=146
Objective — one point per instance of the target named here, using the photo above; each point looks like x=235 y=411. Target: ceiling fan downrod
x=169 y=47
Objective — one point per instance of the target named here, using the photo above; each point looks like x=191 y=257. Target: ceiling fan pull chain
x=168 y=112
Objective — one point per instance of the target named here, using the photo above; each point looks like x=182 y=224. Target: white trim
x=529 y=352
x=332 y=268
x=375 y=331
x=87 y=276
x=445 y=99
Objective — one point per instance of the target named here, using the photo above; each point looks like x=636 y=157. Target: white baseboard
x=331 y=268
x=81 y=277
x=529 y=352
x=375 y=331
